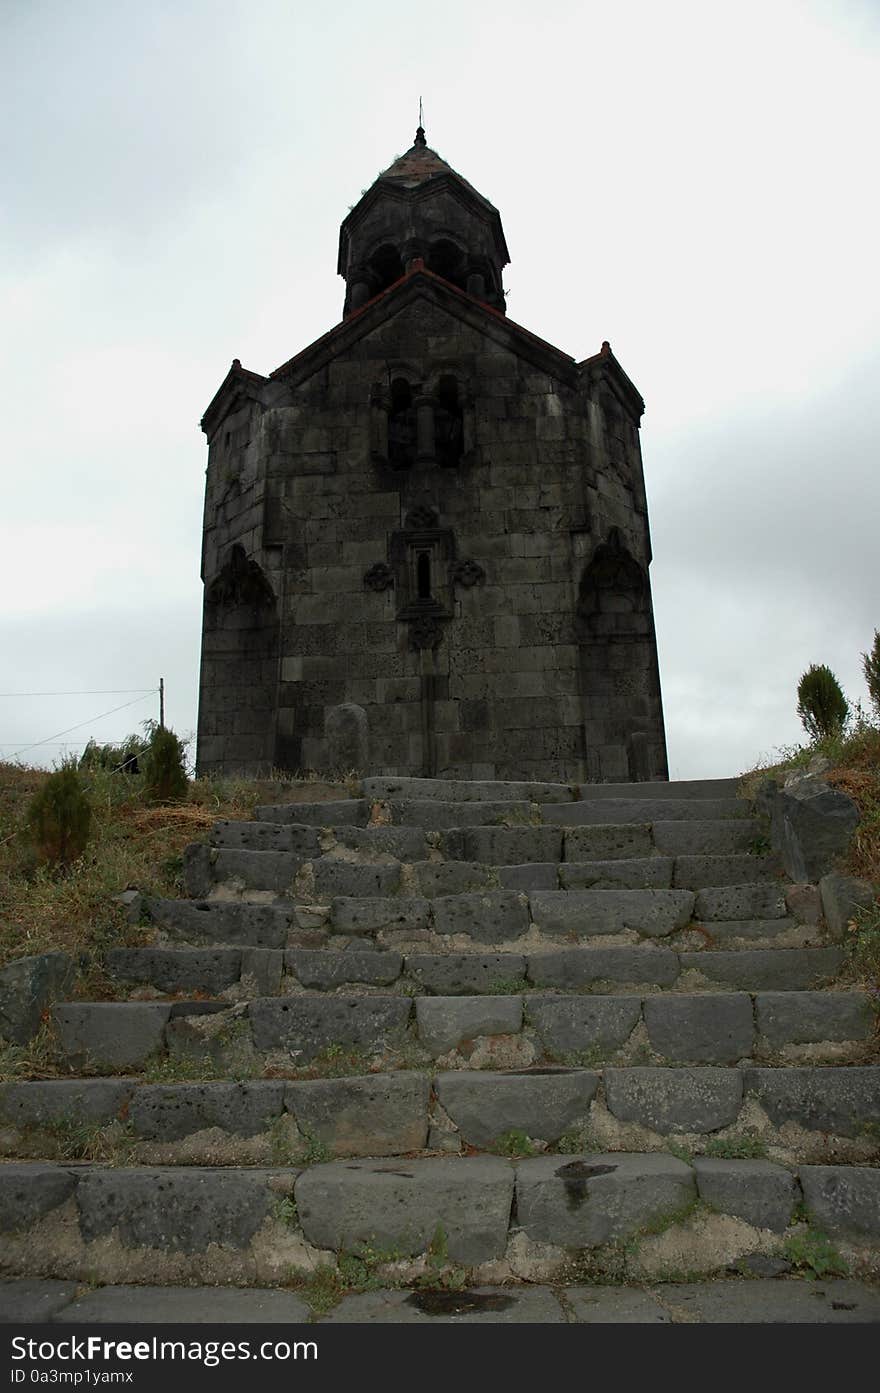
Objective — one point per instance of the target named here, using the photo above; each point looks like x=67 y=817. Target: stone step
x=465 y=790
x=287 y=1033
x=268 y=971
x=346 y=812
x=264 y=1225
x=619 y=811
x=768 y=1301
x=791 y=1113
x=687 y=789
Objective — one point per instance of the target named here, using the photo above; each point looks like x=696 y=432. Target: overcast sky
x=696 y=182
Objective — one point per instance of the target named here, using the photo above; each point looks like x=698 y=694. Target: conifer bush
x=59 y=817
x=871 y=669
x=822 y=707
x=164 y=767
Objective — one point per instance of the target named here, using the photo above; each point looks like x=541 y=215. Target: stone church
x=426 y=540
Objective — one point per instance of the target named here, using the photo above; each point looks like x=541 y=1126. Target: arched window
x=401 y=426
x=423 y=575
x=386 y=267
x=445 y=259
x=448 y=426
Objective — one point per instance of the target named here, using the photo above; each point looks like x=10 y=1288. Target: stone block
x=219 y=921
x=843 y=1201
x=339 y=812
x=811 y=826
x=577 y=1024
x=324 y=969
x=801 y=1018
x=399 y=1206
x=174 y=1305
x=377 y=1115
x=304 y=842
x=585 y=913
x=495 y=916
x=773 y=969
x=762 y=1194
x=403 y=843
x=474 y=1306
x=111 y=1036
x=450 y=878
x=305 y=1026
x=350 y=915
x=587 y=1200
x=701 y=1029
x=741 y=902
x=704 y=872
x=542 y=1103
x=209 y=970
x=671 y=1101
x=638 y=873
x=465 y=974
x=844 y=1099
x=170 y=1112
x=617 y=811
x=335 y=878
x=29 y=1192
x=720 y=837
x=582 y=967
x=446 y=1022
x=432 y=816
x=842 y=898
x=175 y=1210
x=31 y=1302
x=532 y=875
x=27 y=987
x=510 y=846
x=38 y=1103
x=608 y=842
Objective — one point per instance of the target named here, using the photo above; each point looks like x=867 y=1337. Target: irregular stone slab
x=702 y=872
x=347 y=812
x=675 y=1100
x=377 y=1115
x=324 y=969
x=111 y=1035
x=505 y=846
x=757 y=1191
x=303 y=842
x=615 y=1306
x=475 y=1306
x=198 y=870
x=27 y=987
x=721 y=837
x=169 y=1112
x=800 y=1018
x=27 y=1192
x=356 y=916
x=779 y=969
x=333 y=877
x=532 y=875
x=575 y=1024
x=466 y=790
x=399 y=1206
x=811 y=824
x=437 y=817
x=844 y=1100
x=584 y=913
x=261 y=970
x=222 y=921
x=842 y=897
x=256 y=870
x=741 y=902
x=580 y=967
x=843 y=1200
x=774 y=1302
x=439 y=878
x=608 y=842
x=544 y=1103
x=305 y=1026
x=116 y=1305
x=179 y=1210
x=465 y=974
x=582 y=1201
x=28 y=1302
x=636 y=874
x=403 y=843
x=701 y=1029
x=495 y=916
x=177 y=969
x=445 y=1022
x=618 y=811
x=726 y=933
x=42 y=1102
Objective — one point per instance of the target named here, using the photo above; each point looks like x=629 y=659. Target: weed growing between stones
x=742 y=1148
x=38 y=1059
x=579 y=1140
x=514 y=1144
x=512 y=986
x=862 y=945
x=814 y=1255
x=182 y=1069
x=286 y=1212
x=681 y=1153
x=110 y=1145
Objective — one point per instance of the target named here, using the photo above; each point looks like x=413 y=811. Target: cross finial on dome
x=420 y=130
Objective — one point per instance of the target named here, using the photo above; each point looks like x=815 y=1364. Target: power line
x=51 y=738
x=100 y=691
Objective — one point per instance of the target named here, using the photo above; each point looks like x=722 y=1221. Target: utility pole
x=161 y=703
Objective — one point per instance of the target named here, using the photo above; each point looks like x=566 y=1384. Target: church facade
x=429 y=526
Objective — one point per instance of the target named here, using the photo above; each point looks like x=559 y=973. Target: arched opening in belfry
x=447 y=260
x=386 y=266
x=423 y=575
x=401 y=426
x=448 y=430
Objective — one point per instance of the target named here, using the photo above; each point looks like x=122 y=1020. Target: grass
x=514 y=1143
x=813 y=1254
x=743 y=1148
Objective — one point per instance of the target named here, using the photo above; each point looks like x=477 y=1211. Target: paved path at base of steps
x=719 y=1302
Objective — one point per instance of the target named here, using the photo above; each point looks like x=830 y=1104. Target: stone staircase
x=450 y=1035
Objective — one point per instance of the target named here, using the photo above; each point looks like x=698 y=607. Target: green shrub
x=871 y=669
x=59 y=817
x=822 y=707
x=164 y=767
x=123 y=757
